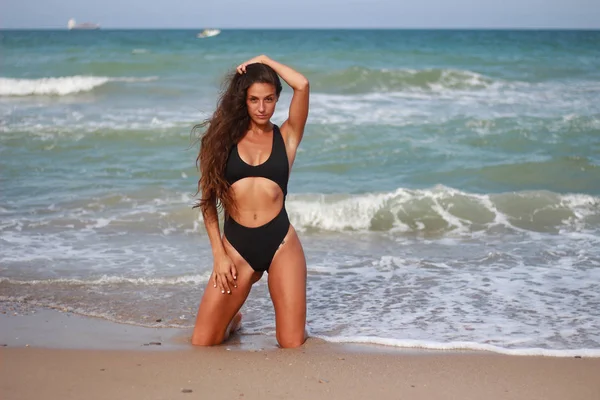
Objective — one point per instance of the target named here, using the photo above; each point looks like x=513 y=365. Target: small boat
x=72 y=24
x=208 y=33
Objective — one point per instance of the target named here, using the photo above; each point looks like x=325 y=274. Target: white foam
x=353 y=213
x=439 y=103
x=452 y=78
x=111 y=280
x=422 y=344
x=112 y=121
x=59 y=86
x=100 y=223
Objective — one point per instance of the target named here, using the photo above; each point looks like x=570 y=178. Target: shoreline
x=23 y=325
x=69 y=356
x=52 y=329
x=44 y=327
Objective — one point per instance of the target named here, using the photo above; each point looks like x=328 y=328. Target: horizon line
x=311 y=28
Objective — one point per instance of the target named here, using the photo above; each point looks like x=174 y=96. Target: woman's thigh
x=287 y=286
x=217 y=309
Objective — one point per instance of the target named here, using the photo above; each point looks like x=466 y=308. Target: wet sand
x=54 y=355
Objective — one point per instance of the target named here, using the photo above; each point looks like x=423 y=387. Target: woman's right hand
x=224 y=274
x=241 y=69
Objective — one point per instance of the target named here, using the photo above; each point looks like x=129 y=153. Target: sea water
x=446 y=192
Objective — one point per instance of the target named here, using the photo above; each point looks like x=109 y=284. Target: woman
x=245 y=162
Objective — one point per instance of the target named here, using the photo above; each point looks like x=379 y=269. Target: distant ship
x=208 y=33
x=86 y=25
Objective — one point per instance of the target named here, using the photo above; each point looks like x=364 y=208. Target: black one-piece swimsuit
x=258 y=245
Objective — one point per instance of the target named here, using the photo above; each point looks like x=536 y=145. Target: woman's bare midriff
x=258 y=201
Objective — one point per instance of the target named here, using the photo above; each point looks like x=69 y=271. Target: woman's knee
x=199 y=339
x=291 y=341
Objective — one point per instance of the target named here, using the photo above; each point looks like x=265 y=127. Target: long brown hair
x=227 y=126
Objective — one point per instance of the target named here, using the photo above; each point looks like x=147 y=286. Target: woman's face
x=260 y=100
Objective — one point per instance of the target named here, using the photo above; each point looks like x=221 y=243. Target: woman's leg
x=287 y=285
x=215 y=320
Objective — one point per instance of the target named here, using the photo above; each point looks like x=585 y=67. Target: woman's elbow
x=303 y=85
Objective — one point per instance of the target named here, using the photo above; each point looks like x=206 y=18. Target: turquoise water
x=447 y=191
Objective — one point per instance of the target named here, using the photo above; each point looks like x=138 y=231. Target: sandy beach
x=55 y=355
x=445 y=194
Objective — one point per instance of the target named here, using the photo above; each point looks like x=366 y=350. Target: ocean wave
x=60 y=86
x=437 y=211
x=365 y=80
x=442 y=210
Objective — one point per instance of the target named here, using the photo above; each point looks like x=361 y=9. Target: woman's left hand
x=241 y=69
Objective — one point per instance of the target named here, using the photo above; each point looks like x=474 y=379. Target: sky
x=196 y=14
